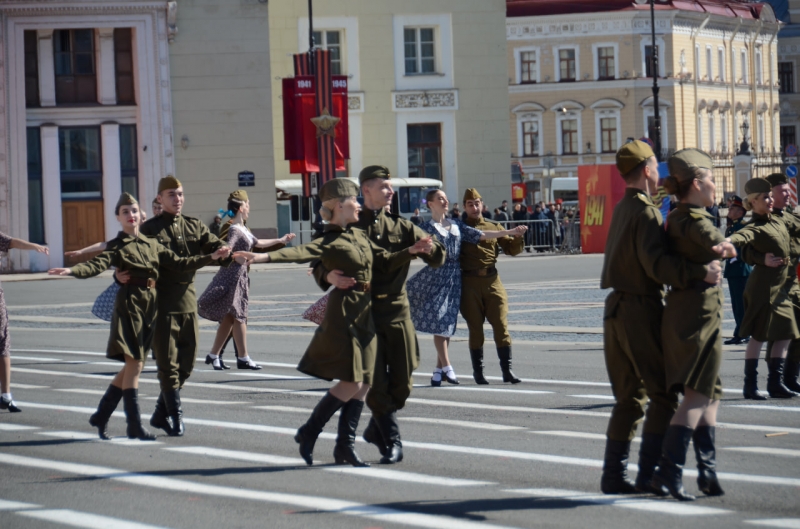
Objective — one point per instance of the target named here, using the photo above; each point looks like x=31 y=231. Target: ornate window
x=74 y=54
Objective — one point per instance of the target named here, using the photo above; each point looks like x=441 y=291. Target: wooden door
x=83 y=225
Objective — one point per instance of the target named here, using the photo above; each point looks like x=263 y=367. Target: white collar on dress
x=454 y=231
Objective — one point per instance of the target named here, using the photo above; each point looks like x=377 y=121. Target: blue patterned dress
x=435 y=293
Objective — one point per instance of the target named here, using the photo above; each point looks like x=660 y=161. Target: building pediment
x=567 y=105
x=607 y=103
x=528 y=106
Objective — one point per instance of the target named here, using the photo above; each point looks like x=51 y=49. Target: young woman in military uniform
x=134 y=309
x=343 y=347
x=691 y=332
x=769 y=314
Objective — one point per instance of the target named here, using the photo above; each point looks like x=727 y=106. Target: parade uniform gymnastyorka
x=483 y=296
x=736 y=272
x=135 y=307
x=692 y=324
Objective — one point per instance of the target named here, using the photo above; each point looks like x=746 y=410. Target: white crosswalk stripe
x=778 y=523
x=71 y=518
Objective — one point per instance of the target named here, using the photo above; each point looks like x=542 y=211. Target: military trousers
x=396 y=359
x=175 y=347
x=736 y=287
x=635 y=365
x=484 y=298
x=794 y=345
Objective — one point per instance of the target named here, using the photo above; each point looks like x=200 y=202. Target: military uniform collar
x=169 y=218
x=126 y=238
x=757 y=216
x=333 y=228
x=638 y=193
x=694 y=209
x=474 y=222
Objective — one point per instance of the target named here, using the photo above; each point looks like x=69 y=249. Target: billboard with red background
x=600 y=188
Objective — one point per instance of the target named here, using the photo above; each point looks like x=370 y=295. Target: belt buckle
x=381 y=296
x=151 y=283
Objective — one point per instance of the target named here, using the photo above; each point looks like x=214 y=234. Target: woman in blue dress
x=435 y=294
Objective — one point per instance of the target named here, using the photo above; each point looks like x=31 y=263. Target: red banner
x=600 y=188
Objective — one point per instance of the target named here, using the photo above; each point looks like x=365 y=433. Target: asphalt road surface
x=527 y=455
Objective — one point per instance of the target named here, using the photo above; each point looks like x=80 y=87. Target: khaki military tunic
x=176 y=333
x=344 y=345
x=768 y=309
x=692 y=329
x=483 y=297
x=135 y=305
x=398 y=349
x=636 y=266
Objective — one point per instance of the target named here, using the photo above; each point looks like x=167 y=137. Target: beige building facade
x=580 y=83
x=99 y=97
x=427 y=86
x=788 y=65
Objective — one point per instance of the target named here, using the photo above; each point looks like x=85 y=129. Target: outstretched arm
x=19 y=244
x=266 y=243
x=516 y=232
x=96 y=247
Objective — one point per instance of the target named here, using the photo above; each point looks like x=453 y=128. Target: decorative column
x=106 y=76
x=47 y=69
x=51 y=190
x=112 y=173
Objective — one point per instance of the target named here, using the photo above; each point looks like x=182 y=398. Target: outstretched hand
x=248 y=257
x=221 y=253
x=519 y=231
x=339 y=280
x=59 y=272
x=41 y=249
x=286 y=239
x=424 y=245
x=725 y=250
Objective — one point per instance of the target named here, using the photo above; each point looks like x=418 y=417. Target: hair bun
x=671 y=184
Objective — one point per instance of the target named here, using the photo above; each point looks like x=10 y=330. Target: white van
x=565 y=188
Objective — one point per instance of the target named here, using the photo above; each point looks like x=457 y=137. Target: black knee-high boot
x=307 y=434
x=790 y=375
x=476 y=355
x=775 y=386
x=345 y=451
x=372 y=434
x=391 y=433
x=159 y=419
x=649 y=453
x=673 y=458
x=705 y=450
x=130 y=399
x=750 y=390
x=172 y=402
x=105 y=408
x=504 y=354
x=615 y=468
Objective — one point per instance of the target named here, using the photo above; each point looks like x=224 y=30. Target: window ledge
x=432 y=74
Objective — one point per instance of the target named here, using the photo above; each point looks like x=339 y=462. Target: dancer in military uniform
x=344 y=346
x=398 y=350
x=692 y=328
x=145 y=260
x=769 y=313
x=483 y=296
x=736 y=271
x=637 y=266
x=176 y=332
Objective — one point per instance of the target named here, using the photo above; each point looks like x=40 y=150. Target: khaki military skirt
x=132 y=323
x=344 y=345
x=768 y=310
x=691 y=337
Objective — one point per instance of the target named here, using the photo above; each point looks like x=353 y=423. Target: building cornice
x=78 y=7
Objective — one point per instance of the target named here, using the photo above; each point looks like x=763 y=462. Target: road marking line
x=560 y=382
x=290 y=409
x=28 y=386
x=596 y=397
x=315 y=503
x=660 y=506
x=463 y=424
x=83 y=436
x=369 y=472
x=781 y=523
x=6 y=505
x=765 y=407
x=270 y=375
x=477 y=406
x=16 y=427
x=578 y=435
x=84 y=519
x=203 y=401
x=764 y=450
x=756 y=427
x=493 y=390
x=83 y=391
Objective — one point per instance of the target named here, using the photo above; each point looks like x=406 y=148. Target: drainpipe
x=696 y=71
x=733 y=84
x=754 y=78
x=772 y=86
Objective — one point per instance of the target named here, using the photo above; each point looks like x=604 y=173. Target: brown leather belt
x=480 y=272
x=361 y=287
x=142 y=282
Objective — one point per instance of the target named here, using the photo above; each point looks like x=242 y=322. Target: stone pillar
x=112 y=174
x=106 y=76
x=47 y=70
x=51 y=191
x=742 y=166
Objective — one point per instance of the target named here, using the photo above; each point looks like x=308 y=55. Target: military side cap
x=125 y=199
x=683 y=163
x=168 y=182
x=776 y=179
x=338 y=188
x=630 y=155
x=239 y=194
x=472 y=194
x=757 y=185
x=736 y=200
x=374 y=171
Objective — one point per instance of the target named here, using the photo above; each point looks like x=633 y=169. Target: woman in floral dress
x=435 y=294
x=225 y=300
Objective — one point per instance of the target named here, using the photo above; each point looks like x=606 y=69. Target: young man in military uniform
x=176 y=329
x=636 y=267
x=483 y=296
x=736 y=270
x=398 y=350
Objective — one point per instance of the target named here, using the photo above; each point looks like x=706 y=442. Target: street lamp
x=654 y=70
x=744 y=148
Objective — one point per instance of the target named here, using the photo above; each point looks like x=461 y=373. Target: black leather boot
x=504 y=354
x=373 y=435
x=345 y=450
x=391 y=433
x=775 y=386
x=790 y=375
x=673 y=458
x=172 y=400
x=159 y=419
x=649 y=453
x=615 y=469
x=105 y=408
x=750 y=390
x=130 y=399
x=477 y=366
x=307 y=434
x=704 y=438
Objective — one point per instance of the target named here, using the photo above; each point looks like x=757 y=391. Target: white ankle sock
x=213 y=356
x=247 y=359
x=437 y=375
x=7 y=396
